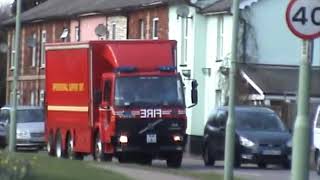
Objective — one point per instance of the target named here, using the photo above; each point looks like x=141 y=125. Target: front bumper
x=139 y=144
x=30 y=144
x=270 y=155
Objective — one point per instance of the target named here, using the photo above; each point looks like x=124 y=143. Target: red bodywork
x=76 y=71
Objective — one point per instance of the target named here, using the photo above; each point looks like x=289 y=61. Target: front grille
x=37 y=135
x=270 y=145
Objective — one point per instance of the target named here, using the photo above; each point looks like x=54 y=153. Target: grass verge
x=44 y=167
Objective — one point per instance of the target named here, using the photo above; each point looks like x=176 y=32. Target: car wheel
x=262 y=165
x=58 y=148
x=70 y=154
x=286 y=164
x=99 y=155
x=123 y=157
x=50 y=148
x=174 y=160
x=318 y=164
x=207 y=158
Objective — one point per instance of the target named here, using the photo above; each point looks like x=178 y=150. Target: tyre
x=123 y=158
x=286 y=164
x=208 y=159
x=262 y=165
x=50 y=145
x=99 y=155
x=318 y=164
x=58 y=148
x=70 y=154
x=174 y=160
x=145 y=159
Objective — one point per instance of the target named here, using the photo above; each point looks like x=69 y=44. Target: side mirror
x=194 y=92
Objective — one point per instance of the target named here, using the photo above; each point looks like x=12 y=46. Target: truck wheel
x=59 y=151
x=99 y=155
x=50 y=149
x=174 y=160
x=318 y=164
x=207 y=158
x=70 y=154
x=145 y=159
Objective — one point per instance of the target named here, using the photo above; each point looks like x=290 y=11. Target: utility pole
x=230 y=129
x=13 y=120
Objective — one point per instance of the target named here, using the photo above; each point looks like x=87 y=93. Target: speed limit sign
x=303 y=18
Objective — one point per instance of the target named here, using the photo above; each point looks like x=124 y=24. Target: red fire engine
x=120 y=99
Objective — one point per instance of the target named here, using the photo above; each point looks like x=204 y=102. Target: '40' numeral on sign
x=301 y=16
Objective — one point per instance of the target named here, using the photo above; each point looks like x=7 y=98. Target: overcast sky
x=5 y=1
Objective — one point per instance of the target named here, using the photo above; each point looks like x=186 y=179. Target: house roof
x=279 y=79
x=55 y=9
x=223 y=6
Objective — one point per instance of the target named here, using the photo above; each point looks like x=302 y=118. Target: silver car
x=30 y=126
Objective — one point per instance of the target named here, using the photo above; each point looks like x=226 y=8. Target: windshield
x=150 y=90
x=30 y=115
x=259 y=121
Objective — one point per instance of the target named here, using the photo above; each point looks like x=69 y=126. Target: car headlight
x=23 y=134
x=289 y=143
x=246 y=142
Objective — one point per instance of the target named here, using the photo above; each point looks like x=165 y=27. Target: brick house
x=54 y=21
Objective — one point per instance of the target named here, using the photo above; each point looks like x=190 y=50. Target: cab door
x=106 y=110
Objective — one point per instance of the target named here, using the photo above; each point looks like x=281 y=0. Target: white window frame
x=41 y=97
x=155 y=28
x=114 y=29
x=220 y=32
x=141 y=26
x=34 y=51
x=186 y=37
x=13 y=50
x=64 y=34
x=32 y=98
x=43 y=41
x=77 y=33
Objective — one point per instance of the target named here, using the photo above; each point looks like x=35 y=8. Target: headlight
x=246 y=142
x=23 y=134
x=289 y=143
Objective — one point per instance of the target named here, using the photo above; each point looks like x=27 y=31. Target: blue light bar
x=167 y=68
x=125 y=69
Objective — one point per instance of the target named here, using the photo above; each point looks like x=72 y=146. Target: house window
x=32 y=99
x=41 y=97
x=64 y=34
x=13 y=50
x=77 y=33
x=185 y=40
x=34 y=50
x=141 y=29
x=114 y=31
x=155 y=24
x=43 y=42
x=220 y=38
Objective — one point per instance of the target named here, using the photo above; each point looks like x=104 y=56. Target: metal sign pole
x=301 y=136
x=230 y=128
x=13 y=124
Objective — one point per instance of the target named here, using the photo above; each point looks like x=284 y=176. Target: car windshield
x=30 y=115
x=259 y=121
x=149 y=90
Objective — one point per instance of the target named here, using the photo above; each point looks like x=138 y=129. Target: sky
x=5 y=1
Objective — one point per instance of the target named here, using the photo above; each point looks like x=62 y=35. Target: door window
x=107 y=91
x=318 y=121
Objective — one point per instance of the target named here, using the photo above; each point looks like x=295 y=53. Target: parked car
x=316 y=140
x=3 y=141
x=30 y=126
x=261 y=137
